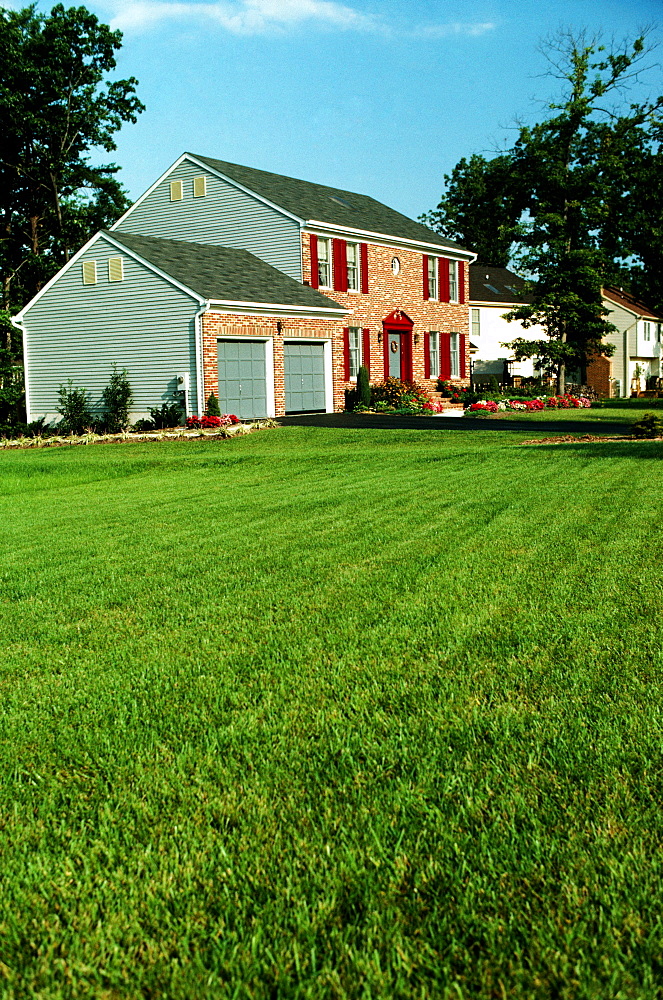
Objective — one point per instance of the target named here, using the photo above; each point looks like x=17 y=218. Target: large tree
x=580 y=180
x=57 y=110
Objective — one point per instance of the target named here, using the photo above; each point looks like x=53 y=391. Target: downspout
x=18 y=323
x=200 y=368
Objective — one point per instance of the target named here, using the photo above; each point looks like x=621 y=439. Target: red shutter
x=346 y=353
x=406 y=356
x=340 y=263
x=461 y=351
x=445 y=356
x=314 y=261
x=385 y=350
x=461 y=284
x=363 y=258
x=426 y=289
x=366 y=349
x=427 y=355
x=443 y=278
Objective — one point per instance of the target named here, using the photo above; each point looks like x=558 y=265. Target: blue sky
x=377 y=96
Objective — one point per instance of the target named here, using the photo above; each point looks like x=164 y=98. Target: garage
x=242 y=378
x=304 y=366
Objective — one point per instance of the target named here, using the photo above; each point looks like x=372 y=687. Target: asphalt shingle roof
x=496 y=284
x=223 y=273
x=309 y=201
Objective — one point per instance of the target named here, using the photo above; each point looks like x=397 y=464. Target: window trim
x=357 y=266
x=433 y=278
x=354 y=351
x=454 y=354
x=453 y=282
x=475 y=321
x=328 y=262
x=434 y=352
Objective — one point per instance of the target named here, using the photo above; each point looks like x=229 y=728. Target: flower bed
x=204 y=423
x=528 y=405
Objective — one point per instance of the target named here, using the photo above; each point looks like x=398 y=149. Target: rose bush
x=205 y=423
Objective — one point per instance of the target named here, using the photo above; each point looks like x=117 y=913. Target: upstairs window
x=352 y=255
x=476 y=323
x=432 y=278
x=90 y=272
x=199 y=186
x=646 y=328
x=453 y=281
x=176 y=193
x=115 y=270
x=324 y=264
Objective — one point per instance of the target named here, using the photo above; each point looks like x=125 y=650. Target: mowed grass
x=332 y=713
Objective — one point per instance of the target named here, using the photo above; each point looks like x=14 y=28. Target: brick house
x=267 y=290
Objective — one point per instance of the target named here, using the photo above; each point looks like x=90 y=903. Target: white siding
x=494 y=332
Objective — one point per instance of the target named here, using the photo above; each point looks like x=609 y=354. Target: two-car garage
x=246 y=369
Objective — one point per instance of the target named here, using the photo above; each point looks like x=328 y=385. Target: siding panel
x=224 y=217
x=77 y=331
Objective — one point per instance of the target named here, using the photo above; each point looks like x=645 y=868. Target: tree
x=481 y=207
x=55 y=108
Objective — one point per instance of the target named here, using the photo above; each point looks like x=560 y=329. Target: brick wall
x=386 y=292
x=218 y=325
x=599 y=371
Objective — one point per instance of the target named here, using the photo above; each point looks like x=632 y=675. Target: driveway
x=379 y=421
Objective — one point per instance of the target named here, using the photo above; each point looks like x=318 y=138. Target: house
x=637 y=343
x=494 y=291
x=266 y=290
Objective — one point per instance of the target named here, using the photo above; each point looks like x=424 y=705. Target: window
x=199 y=187
x=455 y=357
x=434 y=354
x=323 y=264
x=453 y=281
x=176 y=191
x=355 y=350
x=353 y=266
x=646 y=330
x=476 y=323
x=432 y=278
x=90 y=272
x=115 y=271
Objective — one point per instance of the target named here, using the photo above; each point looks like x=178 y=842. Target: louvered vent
x=199 y=187
x=90 y=272
x=115 y=272
x=176 y=191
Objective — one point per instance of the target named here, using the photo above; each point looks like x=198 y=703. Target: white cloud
x=256 y=17
x=241 y=17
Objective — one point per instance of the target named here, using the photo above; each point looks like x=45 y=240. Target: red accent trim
x=445 y=356
x=366 y=349
x=424 y=261
x=427 y=355
x=461 y=351
x=406 y=356
x=340 y=265
x=397 y=318
x=385 y=350
x=314 y=261
x=443 y=278
x=346 y=353
x=461 y=283
x=363 y=257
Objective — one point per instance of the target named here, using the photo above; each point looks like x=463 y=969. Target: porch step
x=447 y=403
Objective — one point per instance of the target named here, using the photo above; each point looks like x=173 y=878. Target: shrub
x=74 y=408
x=212 y=406
x=118 y=397
x=206 y=421
x=166 y=415
x=397 y=394
x=650 y=425
x=363 y=387
x=143 y=426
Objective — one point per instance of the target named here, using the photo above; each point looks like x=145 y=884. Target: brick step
x=447 y=403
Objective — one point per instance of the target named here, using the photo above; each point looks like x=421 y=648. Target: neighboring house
x=494 y=291
x=637 y=343
x=266 y=290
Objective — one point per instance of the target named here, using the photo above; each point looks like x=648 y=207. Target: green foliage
x=400 y=394
x=395 y=728
x=363 y=387
x=75 y=408
x=650 y=425
x=167 y=415
x=117 y=398
x=12 y=389
x=143 y=426
x=56 y=109
x=212 y=406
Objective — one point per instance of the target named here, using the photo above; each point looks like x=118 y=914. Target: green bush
x=650 y=425
x=212 y=406
x=12 y=390
x=118 y=397
x=167 y=415
x=363 y=387
x=75 y=409
x=398 y=394
x=143 y=426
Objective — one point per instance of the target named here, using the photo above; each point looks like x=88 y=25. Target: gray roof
x=318 y=202
x=496 y=284
x=223 y=273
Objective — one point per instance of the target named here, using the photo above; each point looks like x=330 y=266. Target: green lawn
x=332 y=713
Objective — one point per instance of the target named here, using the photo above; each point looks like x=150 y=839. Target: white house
x=637 y=343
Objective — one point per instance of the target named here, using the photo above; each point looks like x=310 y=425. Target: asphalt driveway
x=381 y=421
